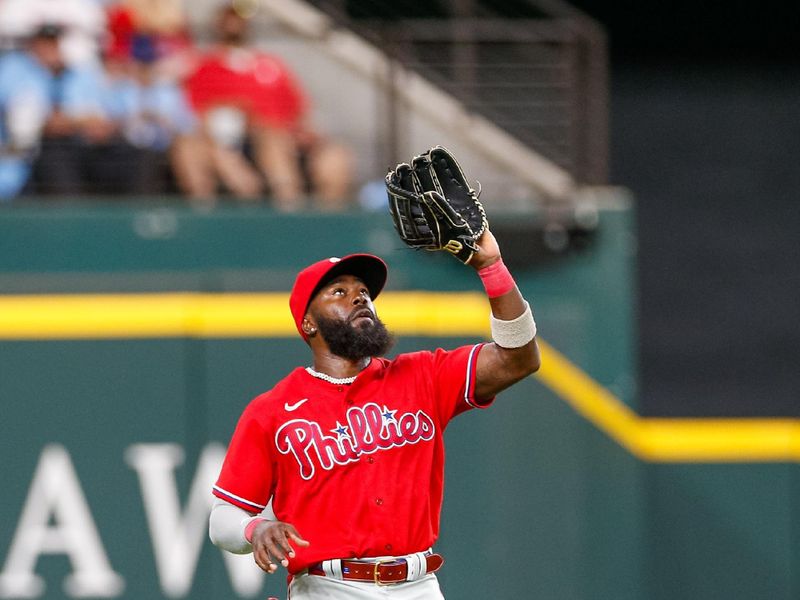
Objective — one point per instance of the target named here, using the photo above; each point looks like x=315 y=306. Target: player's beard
x=355 y=342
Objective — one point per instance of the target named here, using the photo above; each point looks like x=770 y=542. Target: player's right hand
x=273 y=543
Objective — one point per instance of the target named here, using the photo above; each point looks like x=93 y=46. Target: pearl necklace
x=329 y=379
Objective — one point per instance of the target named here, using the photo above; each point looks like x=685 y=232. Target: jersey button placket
x=348 y=396
x=379 y=501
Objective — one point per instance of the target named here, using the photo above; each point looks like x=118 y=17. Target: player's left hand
x=272 y=543
x=488 y=251
x=433 y=206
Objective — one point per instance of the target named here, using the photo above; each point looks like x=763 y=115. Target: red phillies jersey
x=358 y=469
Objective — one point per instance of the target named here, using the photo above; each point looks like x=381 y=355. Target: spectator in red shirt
x=250 y=99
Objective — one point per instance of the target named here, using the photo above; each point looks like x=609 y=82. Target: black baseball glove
x=433 y=207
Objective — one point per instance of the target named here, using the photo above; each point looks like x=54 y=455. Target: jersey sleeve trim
x=237 y=500
x=469 y=387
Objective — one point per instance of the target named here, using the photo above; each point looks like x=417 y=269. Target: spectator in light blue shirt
x=27 y=80
x=127 y=124
x=153 y=115
x=154 y=109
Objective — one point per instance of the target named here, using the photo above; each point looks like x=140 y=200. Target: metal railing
x=543 y=80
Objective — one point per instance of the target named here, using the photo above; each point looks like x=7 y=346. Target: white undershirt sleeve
x=226 y=527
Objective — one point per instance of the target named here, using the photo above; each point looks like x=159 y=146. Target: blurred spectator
x=156 y=119
x=80 y=150
x=114 y=130
x=27 y=84
x=250 y=99
x=83 y=22
x=157 y=24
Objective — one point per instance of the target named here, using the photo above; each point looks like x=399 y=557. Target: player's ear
x=309 y=327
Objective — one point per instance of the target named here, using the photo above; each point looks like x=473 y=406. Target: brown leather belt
x=380 y=572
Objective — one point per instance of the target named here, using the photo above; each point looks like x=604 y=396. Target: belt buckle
x=376 y=576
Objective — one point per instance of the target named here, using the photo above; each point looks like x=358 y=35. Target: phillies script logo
x=368 y=430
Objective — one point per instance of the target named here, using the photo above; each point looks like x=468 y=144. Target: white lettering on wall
x=178 y=535
x=55 y=494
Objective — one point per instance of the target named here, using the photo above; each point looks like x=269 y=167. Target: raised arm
x=434 y=207
x=500 y=367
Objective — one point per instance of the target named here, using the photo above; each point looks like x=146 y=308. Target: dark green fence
x=110 y=444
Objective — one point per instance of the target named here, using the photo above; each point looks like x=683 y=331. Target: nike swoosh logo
x=296 y=405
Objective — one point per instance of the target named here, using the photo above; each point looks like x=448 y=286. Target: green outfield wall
x=131 y=337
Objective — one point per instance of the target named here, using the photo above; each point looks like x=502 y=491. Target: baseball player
x=350 y=450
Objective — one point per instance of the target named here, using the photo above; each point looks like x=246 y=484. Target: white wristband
x=515 y=333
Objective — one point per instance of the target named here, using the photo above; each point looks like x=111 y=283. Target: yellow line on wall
x=107 y=316
x=669 y=440
x=120 y=316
